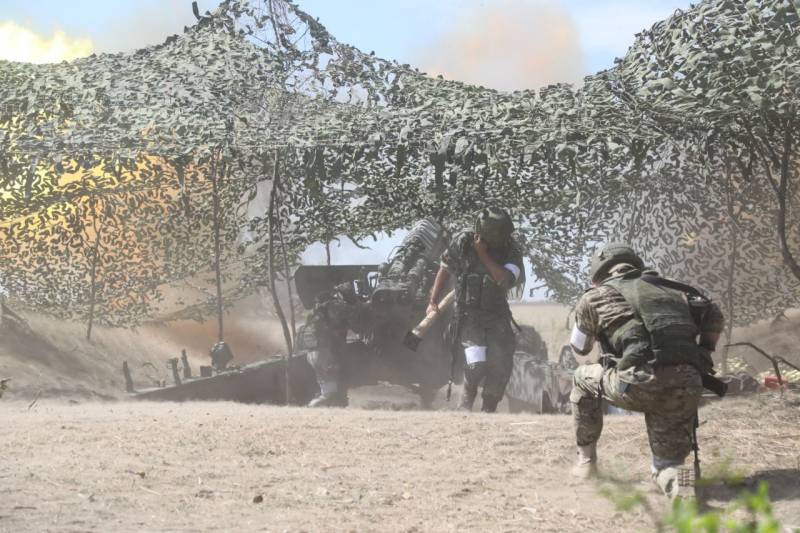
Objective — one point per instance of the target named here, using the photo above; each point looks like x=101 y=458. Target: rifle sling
x=672 y=284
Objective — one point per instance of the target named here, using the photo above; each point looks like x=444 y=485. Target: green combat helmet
x=347 y=291
x=609 y=255
x=494 y=226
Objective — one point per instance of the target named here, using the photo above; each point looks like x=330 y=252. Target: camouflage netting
x=120 y=173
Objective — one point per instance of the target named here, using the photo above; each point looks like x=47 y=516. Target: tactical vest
x=663 y=332
x=320 y=327
x=478 y=292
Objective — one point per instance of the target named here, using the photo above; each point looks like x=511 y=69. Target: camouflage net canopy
x=121 y=173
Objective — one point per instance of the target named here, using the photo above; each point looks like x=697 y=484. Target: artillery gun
x=396 y=295
x=538 y=385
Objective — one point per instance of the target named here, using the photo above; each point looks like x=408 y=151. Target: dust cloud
x=508 y=45
x=18 y=43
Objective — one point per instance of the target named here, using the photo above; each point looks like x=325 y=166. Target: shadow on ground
x=783 y=484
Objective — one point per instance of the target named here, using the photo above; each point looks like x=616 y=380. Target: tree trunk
x=730 y=292
x=288 y=276
x=782 y=193
x=92 y=291
x=272 y=219
x=633 y=226
x=217 y=269
x=93 y=273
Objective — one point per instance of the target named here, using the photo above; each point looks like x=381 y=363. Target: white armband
x=475 y=354
x=514 y=269
x=580 y=341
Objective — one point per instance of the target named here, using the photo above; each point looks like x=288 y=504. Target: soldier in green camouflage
x=656 y=336
x=486 y=263
x=324 y=339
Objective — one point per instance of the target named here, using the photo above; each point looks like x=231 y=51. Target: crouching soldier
x=324 y=338
x=656 y=336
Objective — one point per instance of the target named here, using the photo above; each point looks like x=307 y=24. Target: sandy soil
x=73 y=463
x=53 y=359
x=125 y=466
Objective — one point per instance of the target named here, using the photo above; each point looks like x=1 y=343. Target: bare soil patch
x=127 y=466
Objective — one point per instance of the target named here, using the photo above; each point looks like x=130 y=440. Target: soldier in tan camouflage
x=656 y=337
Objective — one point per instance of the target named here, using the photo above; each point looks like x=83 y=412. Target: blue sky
x=400 y=29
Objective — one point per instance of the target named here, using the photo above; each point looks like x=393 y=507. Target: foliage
x=687 y=147
x=749 y=513
x=685 y=517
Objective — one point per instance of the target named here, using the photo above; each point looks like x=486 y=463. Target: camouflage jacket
x=602 y=310
x=479 y=295
x=329 y=321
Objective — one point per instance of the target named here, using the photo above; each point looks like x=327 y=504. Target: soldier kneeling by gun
x=324 y=338
x=657 y=336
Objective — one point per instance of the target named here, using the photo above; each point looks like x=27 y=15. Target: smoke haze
x=18 y=43
x=508 y=45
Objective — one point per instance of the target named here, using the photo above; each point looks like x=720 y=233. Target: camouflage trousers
x=497 y=336
x=668 y=396
x=325 y=362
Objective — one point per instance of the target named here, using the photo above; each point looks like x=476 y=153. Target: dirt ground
x=135 y=466
x=77 y=456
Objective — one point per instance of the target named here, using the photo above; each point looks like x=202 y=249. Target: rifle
x=696 y=449
x=455 y=346
x=453 y=358
x=455 y=335
x=715 y=385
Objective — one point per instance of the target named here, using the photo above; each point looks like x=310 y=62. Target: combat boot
x=473 y=375
x=586 y=467
x=489 y=404
x=676 y=481
x=467 y=399
x=331 y=395
x=330 y=400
